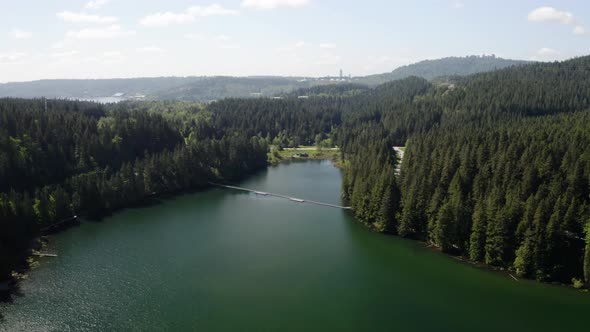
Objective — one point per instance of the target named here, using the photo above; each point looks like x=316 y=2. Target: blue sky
x=131 y=38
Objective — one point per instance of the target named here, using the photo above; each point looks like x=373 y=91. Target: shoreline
x=27 y=258
x=30 y=257
x=505 y=272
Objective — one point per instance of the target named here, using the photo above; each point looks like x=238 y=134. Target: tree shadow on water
x=9 y=292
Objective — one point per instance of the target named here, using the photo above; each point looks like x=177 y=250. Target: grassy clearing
x=275 y=155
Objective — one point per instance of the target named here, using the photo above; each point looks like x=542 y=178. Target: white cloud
x=272 y=4
x=21 y=34
x=12 y=58
x=579 y=30
x=550 y=15
x=110 y=32
x=96 y=4
x=85 y=18
x=188 y=16
x=328 y=45
x=150 y=49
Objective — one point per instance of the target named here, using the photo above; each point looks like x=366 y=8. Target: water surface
x=225 y=260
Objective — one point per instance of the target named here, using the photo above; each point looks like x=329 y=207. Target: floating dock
x=44 y=255
x=293 y=199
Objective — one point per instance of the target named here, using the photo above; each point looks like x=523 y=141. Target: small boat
x=261 y=193
x=297 y=200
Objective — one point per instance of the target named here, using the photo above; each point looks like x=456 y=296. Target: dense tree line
x=41 y=147
x=331 y=90
x=511 y=194
x=369 y=178
x=497 y=166
x=283 y=122
x=536 y=89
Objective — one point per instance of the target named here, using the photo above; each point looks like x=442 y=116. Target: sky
x=43 y=39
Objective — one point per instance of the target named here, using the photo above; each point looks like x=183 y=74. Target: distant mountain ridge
x=451 y=66
x=196 y=88
x=205 y=88
x=89 y=88
x=214 y=88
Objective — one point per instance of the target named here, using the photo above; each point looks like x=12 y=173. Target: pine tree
x=495 y=240
x=524 y=262
x=477 y=239
x=444 y=232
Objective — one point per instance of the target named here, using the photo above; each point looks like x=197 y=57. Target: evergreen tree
x=477 y=239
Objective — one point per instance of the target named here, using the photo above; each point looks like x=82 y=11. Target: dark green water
x=229 y=261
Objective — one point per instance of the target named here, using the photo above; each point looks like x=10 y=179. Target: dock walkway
x=298 y=200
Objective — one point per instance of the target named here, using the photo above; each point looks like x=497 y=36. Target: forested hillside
x=453 y=66
x=497 y=166
x=512 y=192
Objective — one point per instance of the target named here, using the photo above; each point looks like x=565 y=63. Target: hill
x=205 y=89
x=91 y=88
x=157 y=88
x=215 y=88
x=452 y=66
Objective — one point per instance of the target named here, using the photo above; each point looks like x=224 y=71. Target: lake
x=225 y=260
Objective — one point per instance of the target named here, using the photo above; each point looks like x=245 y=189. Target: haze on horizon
x=125 y=38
